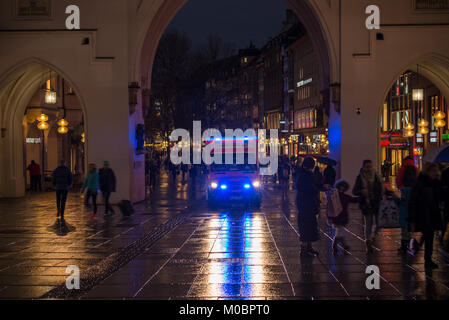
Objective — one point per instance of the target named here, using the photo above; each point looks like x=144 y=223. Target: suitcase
x=126 y=207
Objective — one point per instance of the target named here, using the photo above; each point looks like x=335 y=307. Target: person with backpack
x=405 y=181
x=62 y=179
x=370 y=188
x=308 y=203
x=107 y=185
x=91 y=183
x=340 y=221
x=425 y=209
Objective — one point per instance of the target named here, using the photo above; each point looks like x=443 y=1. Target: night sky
x=236 y=21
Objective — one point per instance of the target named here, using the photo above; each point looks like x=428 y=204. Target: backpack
x=334 y=205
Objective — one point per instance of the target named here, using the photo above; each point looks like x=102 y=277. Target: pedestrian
x=370 y=188
x=107 y=186
x=308 y=203
x=425 y=209
x=184 y=169
x=284 y=178
x=342 y=220
x=405 y=181
x=91 y=183
x=318 y=174
x=445 y=185
x=62 y=179
x=153 y=173
x=330 y=176
x=35 y=176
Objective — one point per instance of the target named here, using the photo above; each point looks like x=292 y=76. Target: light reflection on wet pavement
x=227 y=254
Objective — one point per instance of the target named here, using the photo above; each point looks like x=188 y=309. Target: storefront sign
x=431 y=4
x=434 y=137
x=304 y=82
x=33 y=140
x=446 y=136
x=419 y=138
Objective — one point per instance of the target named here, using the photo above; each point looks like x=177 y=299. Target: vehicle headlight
x=214 y=185
x=256 y=184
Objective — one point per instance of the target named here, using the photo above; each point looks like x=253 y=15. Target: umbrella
x=438 y=155
x=327 y=161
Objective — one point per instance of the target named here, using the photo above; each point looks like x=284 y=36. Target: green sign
x=446 y=136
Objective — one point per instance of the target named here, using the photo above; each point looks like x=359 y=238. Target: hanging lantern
x=439 y=115
x=43 y=125
x=83 y=137
x=423 y=130
x=409 y=133
x=63 y=130
x=42 y=118
x=423 y=123
x=63 y=123
x=409 y=127
x=418 y=94
x=50 y=97
x=440 y=123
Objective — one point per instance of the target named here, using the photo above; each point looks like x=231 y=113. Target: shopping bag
x=334 y=207
x=388 y=215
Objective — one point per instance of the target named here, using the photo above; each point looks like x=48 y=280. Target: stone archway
x=17 y=87
x=434 y=67
x=307 y=11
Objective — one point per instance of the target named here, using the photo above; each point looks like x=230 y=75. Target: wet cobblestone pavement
x=227 y=254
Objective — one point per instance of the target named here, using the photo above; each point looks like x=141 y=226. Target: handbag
x=334 y=207
x=388 y=215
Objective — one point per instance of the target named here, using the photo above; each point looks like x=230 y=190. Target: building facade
x=110 y=57
x=411 y=101
x=309 y=114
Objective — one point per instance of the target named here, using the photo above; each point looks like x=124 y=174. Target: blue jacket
x=92 y=181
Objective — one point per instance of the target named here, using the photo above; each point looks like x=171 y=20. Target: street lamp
x=63 y=126
x=423 y=130
x=423 y=126
x=439 y=116
x=42 y=118
x=43 y=125
x=63 y=130
x=50 y=97
x=418 y=94
x=409 y=127
x=50 y=94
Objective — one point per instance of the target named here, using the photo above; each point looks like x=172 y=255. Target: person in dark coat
x=424 y=209
x=308 y=203
x=370 y=188
x=342 y=219
x=35 y=176
x=445 y=185
x=62 y=179
x=405 y=181
x=107 y=185
x=330 y=175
